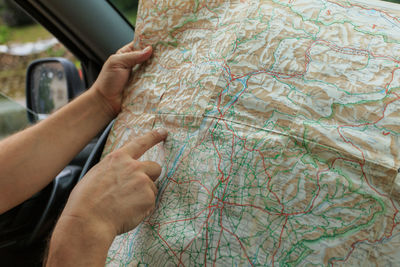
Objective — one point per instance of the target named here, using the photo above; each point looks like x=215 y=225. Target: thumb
x=130 y=59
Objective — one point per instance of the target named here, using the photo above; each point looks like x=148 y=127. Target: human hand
x=116 y=73
x=119 y=192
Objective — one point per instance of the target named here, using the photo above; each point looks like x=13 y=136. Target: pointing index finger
x=137 y=147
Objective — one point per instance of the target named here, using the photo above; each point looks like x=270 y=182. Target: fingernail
x=147 y=49
x=162 y=132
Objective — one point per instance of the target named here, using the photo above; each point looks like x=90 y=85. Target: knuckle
x=155 y=135
x=157 y=170
x=150 y=210
x=157 y=167
x=142 y=179
x=151 y=198
x=150 y=186
x=113 y=58
x=116 y=155
x=135 y=165
x=141 y=143
x=114 y=62
x=152 y=165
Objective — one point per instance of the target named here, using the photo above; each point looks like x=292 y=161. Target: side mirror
x=50 y=84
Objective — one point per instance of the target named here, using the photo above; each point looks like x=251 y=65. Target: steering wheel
x=24 y=230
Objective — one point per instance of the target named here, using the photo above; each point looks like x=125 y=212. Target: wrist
x=92 y=227
x=78 y=241
x=107 y=105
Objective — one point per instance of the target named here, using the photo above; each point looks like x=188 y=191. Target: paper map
x=284 y=122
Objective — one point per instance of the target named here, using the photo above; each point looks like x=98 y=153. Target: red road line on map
x=263 y=161
x=201 y=228
x=364 y=240
x=339 y=49
x=219 y=169
x=233 y=78
x=307 y=57
x=220 y=236
x=241 y=245
x=355 y=52
x=186 y=219
x=266 y=211
x=364 y=124
x=205 y=5
x=160 y=224
x=289 y=76
x=280 y=242
x=226 y=126
x=219 y=156
x=365 y=8
x=120 y=247
x=206 y=222
x=169 y=247
x=391 y=80
x=252 y=206
x=184 y=157
x=190 y=181
x=366 y=180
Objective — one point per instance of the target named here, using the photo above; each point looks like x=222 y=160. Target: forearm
x=32 y=158
x=75 y=242
x=114 y=197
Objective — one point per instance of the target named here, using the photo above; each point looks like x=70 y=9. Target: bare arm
x=29 y=160
x=114 y=197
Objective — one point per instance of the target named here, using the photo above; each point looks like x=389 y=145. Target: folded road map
x=284 y=122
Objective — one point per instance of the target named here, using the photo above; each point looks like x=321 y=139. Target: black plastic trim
x=61 y=188
x=75 y=85
x=31 y=10
x=95 y=156
x=26 y=5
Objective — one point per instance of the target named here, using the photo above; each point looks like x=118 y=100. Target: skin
x=113 y=197
x=47 y=147
x=114 y=204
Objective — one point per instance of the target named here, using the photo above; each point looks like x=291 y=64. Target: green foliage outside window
x=128 y=8
x=4 y=34
x=393 y=1
x=125 y=5
x=12 y=15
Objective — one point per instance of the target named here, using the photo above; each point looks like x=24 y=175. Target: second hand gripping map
x=284 y=121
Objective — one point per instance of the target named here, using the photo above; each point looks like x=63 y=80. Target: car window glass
x=128 y=8
x=13 y=116
x=22 y=41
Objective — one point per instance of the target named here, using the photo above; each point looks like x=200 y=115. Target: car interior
x=92 y=30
